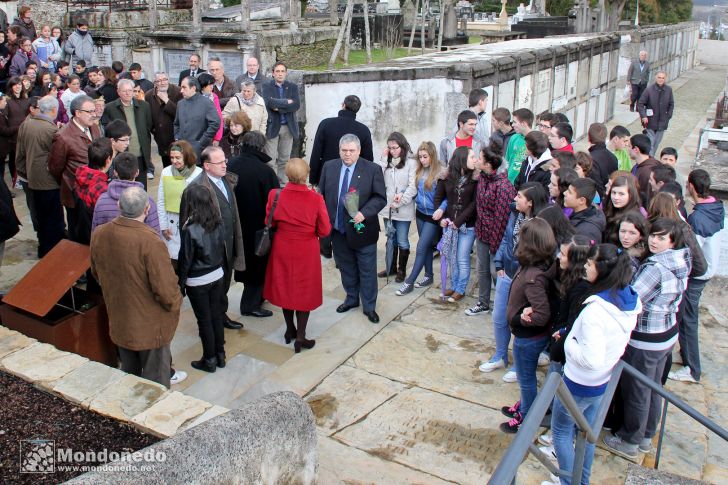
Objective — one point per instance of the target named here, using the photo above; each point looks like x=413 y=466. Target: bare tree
x=347 y=44
x=342 y=31
x=414 y=27
x=366 y=32
x=392 y=38
x=614 y=9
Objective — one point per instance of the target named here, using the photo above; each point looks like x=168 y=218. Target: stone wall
x=421 y=96
x=43 y=11
x=298 y=56
x=670 y=48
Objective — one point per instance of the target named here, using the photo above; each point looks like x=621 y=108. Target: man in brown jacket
x=35 y=137
x=163 y=103
x=132 y=265
x=70 y=151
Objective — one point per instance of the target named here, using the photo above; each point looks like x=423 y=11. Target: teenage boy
x=560 y=137
x=512 y=144
x=661 y=175
x=706 y=220
x=619 y=145
x=644 y=164
x=586 y=218
x=464 y=137
x=522 y=123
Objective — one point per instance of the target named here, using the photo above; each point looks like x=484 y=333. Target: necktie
x=221 y=186
x=193 y=73
x=341 y=213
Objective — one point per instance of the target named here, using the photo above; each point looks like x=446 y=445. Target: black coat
x=186 y=73
x=9 y=222
x=163 y=117
x=604 y=164
x=142 y=119
x=326 y=142
x=255 y=181
x=661 y=102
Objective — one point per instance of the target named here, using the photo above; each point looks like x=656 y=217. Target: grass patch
x=359 y=57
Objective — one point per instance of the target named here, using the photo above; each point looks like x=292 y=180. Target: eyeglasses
x=89 y=111
x=544 y=126
x=218 y=163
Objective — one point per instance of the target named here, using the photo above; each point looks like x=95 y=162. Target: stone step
x=639 y=475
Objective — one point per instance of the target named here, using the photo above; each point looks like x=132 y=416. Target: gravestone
x=176 y=61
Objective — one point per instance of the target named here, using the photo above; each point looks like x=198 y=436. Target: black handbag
x=264 y=237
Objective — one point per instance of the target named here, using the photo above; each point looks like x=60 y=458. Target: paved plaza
x=403 y=401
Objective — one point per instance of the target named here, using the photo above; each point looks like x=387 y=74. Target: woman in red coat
x=293 y=275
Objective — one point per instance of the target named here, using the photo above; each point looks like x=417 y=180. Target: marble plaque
x=176 y=61
x=604 y=69
x=525 y=93
x=559 y=81
x=602 y=114
x=582 y=81
x=543 y=86
x=571 y=76
x=506 y=94
x=558 y=104
x=232 y=61
x=592 y=113
x=580 y=119
x=594 y=67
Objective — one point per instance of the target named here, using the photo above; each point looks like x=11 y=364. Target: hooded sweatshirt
x=598 y=339
x=107 y=207
x=590 y=223
x=660 y=283
x=707 y=220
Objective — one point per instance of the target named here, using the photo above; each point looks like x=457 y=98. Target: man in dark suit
x=355 y=251
x=194 y=69
x=221 y=184
x=326 y=145
x=282 y=101
x=163 y=99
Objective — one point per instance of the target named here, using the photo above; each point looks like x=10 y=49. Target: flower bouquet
x=351 y=203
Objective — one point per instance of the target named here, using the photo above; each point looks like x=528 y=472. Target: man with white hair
x=638 y=75
x=43 y=193
x=138 y=115
x=132 y=266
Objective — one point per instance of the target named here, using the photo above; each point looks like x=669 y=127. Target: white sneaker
x=491 y=365
x=554 y=480
x=150 y=175
x=179 y=376
x=550 y=452
x=545 y=439
x=543 y=359
x=510 y=376
x=683 y=375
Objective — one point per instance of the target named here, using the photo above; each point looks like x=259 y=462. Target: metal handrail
x=522 y=444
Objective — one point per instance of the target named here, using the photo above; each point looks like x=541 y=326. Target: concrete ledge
x=272 y=440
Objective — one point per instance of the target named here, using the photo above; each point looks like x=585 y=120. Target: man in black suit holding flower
x=354 y=235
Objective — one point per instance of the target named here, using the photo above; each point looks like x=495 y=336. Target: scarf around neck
x=184 y=173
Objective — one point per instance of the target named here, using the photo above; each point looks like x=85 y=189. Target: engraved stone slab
x=543 y=87
x=433 y=433
x=559 y=80
x=594 y=67
x=42 y=363
x=128 y=397
x=437 y=361
x=81 y=385
x=348 y=395
x=525 y=93
x=506 y=94
x=571 y=79
x=169 y=413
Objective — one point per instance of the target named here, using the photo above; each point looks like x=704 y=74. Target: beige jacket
x=257 y=113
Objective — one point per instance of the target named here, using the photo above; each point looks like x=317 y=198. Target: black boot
x=402 y=265
x=207 y=365
x=301 y=341
x=392 y=267
x=221 y=359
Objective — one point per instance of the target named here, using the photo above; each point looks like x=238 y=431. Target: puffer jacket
x=400 y=181
x=107 y=206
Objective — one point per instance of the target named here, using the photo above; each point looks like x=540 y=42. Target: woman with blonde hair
x=426 y=179
x=175 y=178
x=293 y=274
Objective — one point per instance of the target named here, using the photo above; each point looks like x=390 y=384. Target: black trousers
x=30 y=201
x=51 y=225
x=637 y=90
x=152 y=364
x=142 y=177
x=72 y=218
x=205 y=301
x=252 y=296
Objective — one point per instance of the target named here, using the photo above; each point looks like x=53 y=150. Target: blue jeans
x=501 y=330
x=525 y=353
x=563 y=428
x=461 y=271
x=401 y=233
x=423 y=257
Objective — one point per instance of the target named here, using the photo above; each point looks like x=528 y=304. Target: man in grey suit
x=196 y=120
x=638 y=75
x=355 y=251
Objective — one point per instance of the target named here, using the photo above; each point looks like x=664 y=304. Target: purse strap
x=273 y=209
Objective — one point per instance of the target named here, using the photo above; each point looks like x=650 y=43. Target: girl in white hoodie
x=594 y=346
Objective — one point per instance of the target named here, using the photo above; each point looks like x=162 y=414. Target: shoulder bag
x=264 y=237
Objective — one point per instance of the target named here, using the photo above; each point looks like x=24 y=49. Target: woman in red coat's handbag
x=293 y=275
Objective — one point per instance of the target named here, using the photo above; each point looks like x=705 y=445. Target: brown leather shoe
x=449 y=292
x=455 y=297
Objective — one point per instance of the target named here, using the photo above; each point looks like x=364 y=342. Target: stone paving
x=403 y=401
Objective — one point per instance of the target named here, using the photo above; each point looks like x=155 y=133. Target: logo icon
x=37 y=456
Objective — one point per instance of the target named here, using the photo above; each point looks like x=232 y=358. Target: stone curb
x=144 y=404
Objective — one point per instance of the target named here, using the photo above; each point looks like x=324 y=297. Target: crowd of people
x=589 y=256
